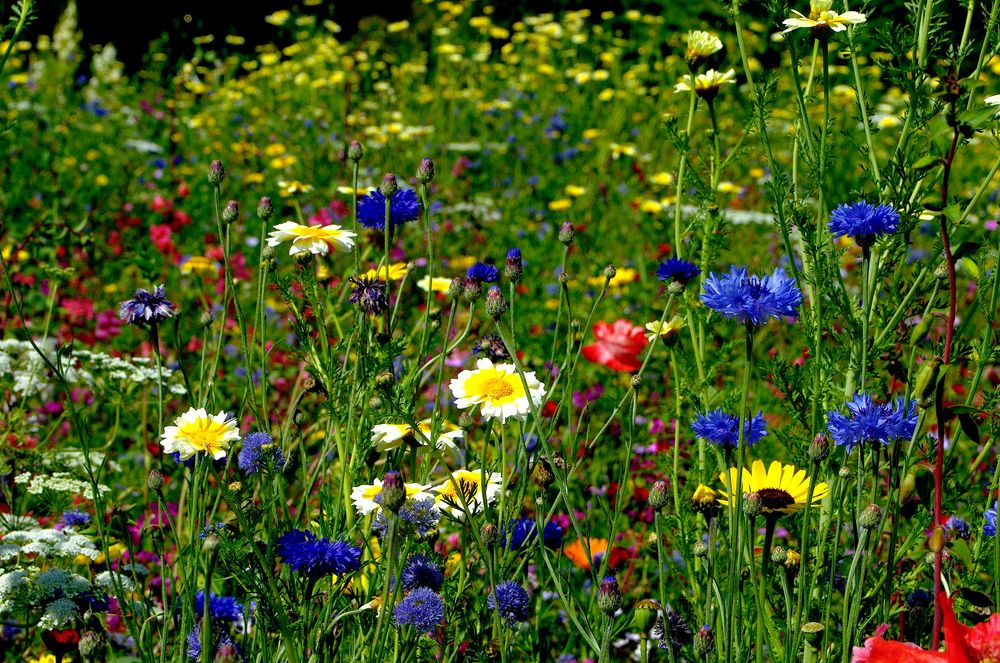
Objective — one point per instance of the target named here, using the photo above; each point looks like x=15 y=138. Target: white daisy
x=364 y=496
x=465 y=488
x=499 y=389
x=196 y=431
x=391 y=436
x=314 y=239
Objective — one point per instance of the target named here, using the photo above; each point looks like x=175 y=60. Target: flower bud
x=563 y=278
x=355 y=151
x=466 y=421
x=489 y=534
x=644 y=615
x=496 y=305
x=870 y=517
x=513 y=268
x=704 y=641
x=778 y=555
x=700 y=549
x=385 y=380
x=844 y=473
x=393 y=491
x=541 y=475
x=268 y=253
x=609 y=597
x=752 y=505
x=154 y=481
x=813 y=632
x=265 y=208
x=230 y=212
x=425 y=171
x=472 y=290
x=819 y=448
x=658 y=496
x=567 y=233
x=216 y=172
x=389 y=185
x=609 y=272
x=90 y=645
x=455 y=288
x=635 y=381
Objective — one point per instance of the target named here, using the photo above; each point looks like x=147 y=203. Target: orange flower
x=576 y=552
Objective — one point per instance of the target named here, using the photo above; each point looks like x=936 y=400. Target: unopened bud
x=513 y=269
x=455 y=288
x=210 y=543
x=704 y=641
x=563 y=278
x=658 y=496
x=813 y=632
x=567 y=233
x=609 y=597
x=389 y=185
x=393 y=491
x=385 y=380
x=89 y=645
x=935 y=543
x=230 y=212
x=871 y=516
x=154 y=481
x=472 y=290
x=466 y=421
x=752 y=505
x=844 y=473
x=489 y=534
x=778 y=555
x=609 y=272
x=644 y=615
x=425 y=171
x=700 y=549
x=265 y=208
x=496 y=305
x=635 y=381
x=355 y=151
x=216 y=172
x=819 y=448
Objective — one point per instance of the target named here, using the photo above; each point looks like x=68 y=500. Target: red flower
x=962 y=644
x=618 y=346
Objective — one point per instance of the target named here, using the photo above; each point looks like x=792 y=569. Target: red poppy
x=618 y=346
x=61 y=642
x=962 y=644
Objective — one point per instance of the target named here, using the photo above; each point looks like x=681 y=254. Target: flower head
x=492 y=346
x=417 y=517
x=369 y=294
x=75 y=518
x=722 y=429
x=868 y=421
x=464 y=489
x=618 y=346
x=249 y=458
x=517 y=532
x=863 y=222
x=499 y=390
x=421 y=571
x=708 y=84
x=780 y=488
x=317 y=240
x=313 y=556
x=667 y=331
x=822 y=17
x=147 y=308
x=751 y=299
x=677 y=270
x=511 y=601
x=673 y=631
x=480 y=272
x=579 y=555
x=990 y=516
x=367 y=498
x=222 y=608
x=404 y=206
x=196 y=431
x=700 y=45
x=422 y=609
x=391 y=436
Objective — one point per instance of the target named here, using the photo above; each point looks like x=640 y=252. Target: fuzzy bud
x=609 y=272
x=658 y=496
x=489 y=534
x=455 y=288
x=700 y=549
x=870 y=517
x=216 y=172
x=704 y=641
x=466 y=421
x=752 y=505
x=779 y=555
x=90 y=645
x=513 y=269
x=644 y=615
x=385 y=380
x=230 y=212
x=389 y=185
x=425 y=171
x=819 y=448
x=154 y=481
x=567 y=233
x=265 y=208
x=355 y=151
x=496 y=305
x=635 y=381
x=393 y=491
x=563 y=278
x=675 y=287
x=472 y=290
x=844 y=473
x=609 y=597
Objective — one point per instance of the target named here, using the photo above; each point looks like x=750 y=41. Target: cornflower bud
x=355 y=151
x=870 y=517
x=496 y=305
x=658 y=495
x=609 y=597
x=609 y=272
x=216 y=172
x=513 y=269
x=265 y=208
x=425 y=171
x=704 y=641
x=154 y=481
x=389 y=185
x=567 y=233
x=393 y=491
x=819 y=448
x=230 y=212
x=752 y=505
x=489 y=534
x=644 y=615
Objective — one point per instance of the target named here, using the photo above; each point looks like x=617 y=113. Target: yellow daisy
x=700 y=45
x=822 y=16
x=196 y=431
x=466 y=487
x=391 y=436
x=498 y=389
x=665 y=330
x=437 y=284
x=781 y=488
x=706 y=85
x=396 y=271
x=201 y=266
x=314 y=239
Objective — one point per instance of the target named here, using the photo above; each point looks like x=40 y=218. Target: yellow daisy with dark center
x=780 y=488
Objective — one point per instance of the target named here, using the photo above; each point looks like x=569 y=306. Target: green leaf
x=965 y=248
x=926 y=162
x=969 y=427
x=978 y=117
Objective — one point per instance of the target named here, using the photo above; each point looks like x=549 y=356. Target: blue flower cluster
x=75 y=518
x=221 y=608
x=863 y=222
x=403 y=208
x=482 y=273
x=675 y=269
x=752 y=300
x=249 y=458
x=868 y=421
x=421 y=571
x=990 y=526
x=420 y=517
x=720 y=428
x=511 y=601
x=317 y=557
x=422 y=609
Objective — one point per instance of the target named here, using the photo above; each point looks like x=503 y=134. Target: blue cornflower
x=147 y=308
x=990 y=526
x=483 y=273
x=369 y=294
x=674 y=632
x=422 y=609
x=751 y=299
x=511 y=601
x=421 y=518
x=517 y=532
x=919 y=598
x=219 y=640
x=492 y=346
x=222 y=608
x=421 y=571
x=552 y=535
x=316 y=557
x=868 y=421
x=863 y=222
x=722 y=429
x=404 y=207
x=675 y=269
x=75 y=518
x=957 y=528
x=249 y=458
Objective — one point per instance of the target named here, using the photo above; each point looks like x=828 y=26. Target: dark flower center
x=754 y=285
x=774 y=499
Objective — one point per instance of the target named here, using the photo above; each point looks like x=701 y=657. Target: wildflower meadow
x=655 y=332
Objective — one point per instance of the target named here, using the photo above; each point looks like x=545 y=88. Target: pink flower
x=618 y=345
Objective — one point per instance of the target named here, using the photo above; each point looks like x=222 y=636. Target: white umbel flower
x=498 y=389
x=196 y=431
x=313 y=239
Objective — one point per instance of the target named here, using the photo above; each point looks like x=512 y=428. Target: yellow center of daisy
x=205 y=435
x=496 y=388
x=467 y=487
x=311 y=232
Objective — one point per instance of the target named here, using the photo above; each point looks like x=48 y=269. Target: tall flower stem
x=866 y=307
x=386 y=232
x=682 y=166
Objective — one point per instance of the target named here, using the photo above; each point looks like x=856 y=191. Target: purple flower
x=675 y=269
x=316 y=557
x=868 y=421
x=482 y=273
x=422 y=609
x=147 y=308
x=404 y=207
x=750 y=299
x=421 y=571
x=369 y=294
x=722 y=429
x=511 y=601
x=251 y=454
x=990 y=526
x=863 y=222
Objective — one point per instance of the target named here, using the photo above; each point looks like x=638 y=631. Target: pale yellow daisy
x=498 y=389
x=314 y=239
x=465 y=488
x=364 y=496
x=196 y=431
